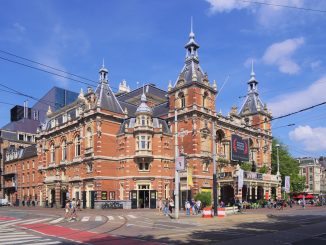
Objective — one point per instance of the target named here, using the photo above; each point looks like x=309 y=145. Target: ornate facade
x=120 y=147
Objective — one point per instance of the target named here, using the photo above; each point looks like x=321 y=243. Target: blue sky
x=143 y=41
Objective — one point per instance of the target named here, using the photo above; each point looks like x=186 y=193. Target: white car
x=4 y=202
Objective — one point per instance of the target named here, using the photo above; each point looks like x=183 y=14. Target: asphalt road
x=40 y=226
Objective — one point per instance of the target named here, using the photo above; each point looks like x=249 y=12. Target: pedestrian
x=160 y=205
x=46 y=202
x=78 y=204
x=187 y=207
x=67 y=210
x=73 y=210
x=166 y=207
x=171 y=205
x=198 y=204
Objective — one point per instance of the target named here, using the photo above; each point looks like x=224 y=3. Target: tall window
x=143 y=166
x=52 y=153
x=143 y=121
x=89 y=138
x=64 y=150
x=144 y=142
x=77 y=146
x=182 y=100
x=205 y=97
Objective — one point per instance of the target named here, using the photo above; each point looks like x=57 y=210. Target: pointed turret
x=143 y=107
x=192 y=72
x=252 y=103
x=105 y=97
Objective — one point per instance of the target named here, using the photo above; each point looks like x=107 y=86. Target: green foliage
x=263 y=169
x=222 y=160
x=205 y=198
x=288 y=167
x=246 y=166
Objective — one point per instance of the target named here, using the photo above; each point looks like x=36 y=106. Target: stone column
x=255 y=191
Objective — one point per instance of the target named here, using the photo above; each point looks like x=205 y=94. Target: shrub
x=246 y=166
x=205 y=198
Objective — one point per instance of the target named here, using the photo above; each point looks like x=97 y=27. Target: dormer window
x=182 y=100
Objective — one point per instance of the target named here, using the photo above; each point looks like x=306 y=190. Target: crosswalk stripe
x=120 y=217
x=17 y=235
x=56 y=220
x=17 y=222
x=10 y=221
x=131 y=216
x=43 y=243
x=98 y=218
x=36 y=221
x=86 y=218
x=110 y=217
x=15 y=238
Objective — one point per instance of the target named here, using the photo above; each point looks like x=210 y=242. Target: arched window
x=64 y=150
x=77 y=146
x=52 y=153
x=143 y=121
x=89 y=137
x=205 y=100
x=182 y=100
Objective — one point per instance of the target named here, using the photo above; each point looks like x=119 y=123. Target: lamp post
x=214 y=171
x=278 y=159
x=176 y=183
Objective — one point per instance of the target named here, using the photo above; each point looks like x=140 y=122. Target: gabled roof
x=105 y=97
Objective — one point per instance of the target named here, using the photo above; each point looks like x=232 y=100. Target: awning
x=309 y=196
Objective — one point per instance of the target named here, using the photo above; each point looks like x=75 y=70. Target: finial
x=192 y=34
x=81 y=94
x=49 y=111
x=143 y=96
x=214 y=86
x=103 y=63
x=170 y=85
x=252 y=68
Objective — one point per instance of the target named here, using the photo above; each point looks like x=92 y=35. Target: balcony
x=40 y=168
x=75 y=179
x=52 y=165
x=50 y=179
x=9 y=174
x=143 y=153
x=89 y=151
x=143 y=128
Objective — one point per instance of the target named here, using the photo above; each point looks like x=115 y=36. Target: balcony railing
x=143 y=153
x=52 y=179
x=89 y=151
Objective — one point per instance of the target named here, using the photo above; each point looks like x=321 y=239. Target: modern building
x=104 y=147
x=20 y=132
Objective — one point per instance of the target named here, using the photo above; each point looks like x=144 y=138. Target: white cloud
x=280 y=54
x=226 y=5
x=286 y=103
x=313 y=139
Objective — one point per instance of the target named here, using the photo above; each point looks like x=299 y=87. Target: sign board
x=104 y=195
x=180 y=163
x=239 y=148
x=287 y=184
x=240 y=179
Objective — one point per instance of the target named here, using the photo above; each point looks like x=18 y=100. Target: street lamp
x=278 y=159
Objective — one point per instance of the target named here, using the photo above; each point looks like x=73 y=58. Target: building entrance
x=143 y=196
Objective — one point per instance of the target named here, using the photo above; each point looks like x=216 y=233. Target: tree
x=246 y=166
x=288 y=167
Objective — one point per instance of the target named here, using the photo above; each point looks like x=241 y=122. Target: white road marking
x=37 y=221
x=120 y=217
x=86 y=218
x=56 y=220
x=98 y=218
x=131 y=216
x=43 y=243
x=110 y=217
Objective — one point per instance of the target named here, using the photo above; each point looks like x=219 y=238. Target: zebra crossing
x=58 y=221
x=12 y=236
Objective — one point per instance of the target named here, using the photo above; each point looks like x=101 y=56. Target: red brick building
x=105 y=147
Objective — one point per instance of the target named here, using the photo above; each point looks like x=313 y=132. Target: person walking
x=187 y=207
x=160 y=205
x=73 y=210
x=67 y=210
x=166 y=207
x=171 y=205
